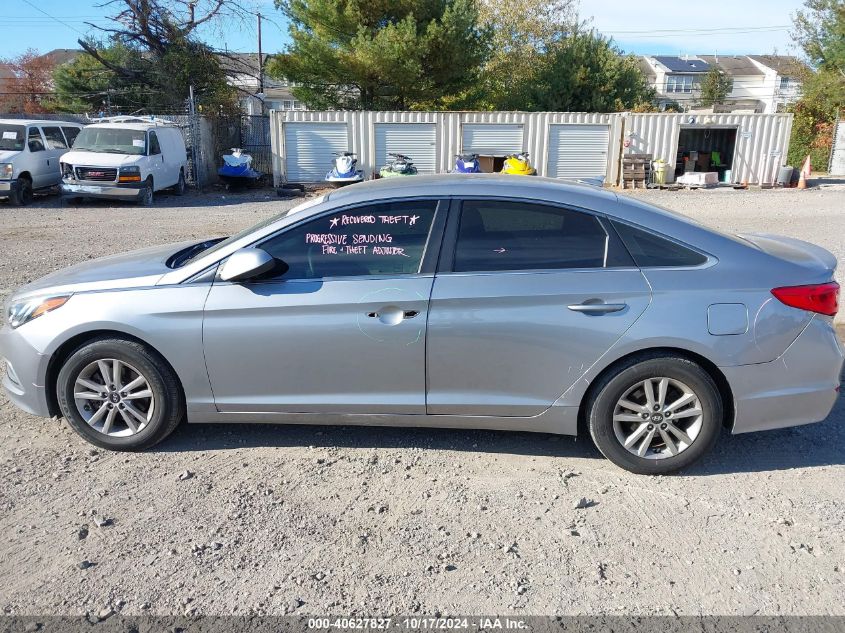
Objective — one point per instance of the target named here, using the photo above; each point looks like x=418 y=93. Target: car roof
x=444 y=185
x=38 y=122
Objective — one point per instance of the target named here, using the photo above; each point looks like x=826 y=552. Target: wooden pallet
x=636 y=170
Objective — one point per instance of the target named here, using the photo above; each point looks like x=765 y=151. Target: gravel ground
x=269 y=520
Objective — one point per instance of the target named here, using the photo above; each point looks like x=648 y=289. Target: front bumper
x=26 y=370
x=800 y=387
x=8 y=187
x=111 y=191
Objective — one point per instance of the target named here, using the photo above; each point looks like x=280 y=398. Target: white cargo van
x=125 y=159
x=30 y=151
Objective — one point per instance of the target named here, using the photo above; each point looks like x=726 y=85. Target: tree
x=523 y=34
x=585 y=72
x=715 y=87
x=29 y=85
x=381 y=54
x=150 y=56
x=820 y=31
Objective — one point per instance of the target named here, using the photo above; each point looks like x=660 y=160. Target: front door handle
x=407 y=314
x=597 y=308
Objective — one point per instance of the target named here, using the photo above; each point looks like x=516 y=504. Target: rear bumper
x=8 y=187
x=800 y=387
x=107 y=191
x=26 y=369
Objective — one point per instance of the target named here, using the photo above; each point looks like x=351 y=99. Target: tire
x=160 y=413
x=691 y=435
x=23 y=196
x=145 y=198
x=180 y=187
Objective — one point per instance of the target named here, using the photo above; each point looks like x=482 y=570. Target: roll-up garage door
x=578 y=151
x=411 y=139
x=492 y=139
x=309 y=149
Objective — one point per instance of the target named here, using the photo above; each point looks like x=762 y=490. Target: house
x=242 y=72
x=760 y=83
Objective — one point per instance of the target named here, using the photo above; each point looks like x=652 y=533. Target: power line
x=54 y=18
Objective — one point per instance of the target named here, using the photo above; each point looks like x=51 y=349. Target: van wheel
x=655 y=415
x=23 y=196
x=180 y=187
x=146 y=196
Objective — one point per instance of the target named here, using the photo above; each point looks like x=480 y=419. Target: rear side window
x=650 y=250
x=70 y=134
x=55 y=138
x=513 y=235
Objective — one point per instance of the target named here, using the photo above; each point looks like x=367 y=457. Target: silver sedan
x=455 y=301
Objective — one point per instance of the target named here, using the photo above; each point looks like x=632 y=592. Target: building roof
x=783 y=64
x=681 y=65
x=6 y=72
x=59 y=56
x=646 y=68
x=733 y=65
x=241 y=63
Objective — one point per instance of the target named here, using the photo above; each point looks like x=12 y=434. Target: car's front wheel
x=655 y=415
x=119 y=394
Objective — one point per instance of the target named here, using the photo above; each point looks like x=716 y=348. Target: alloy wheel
x=114 y=398
x=657 y=418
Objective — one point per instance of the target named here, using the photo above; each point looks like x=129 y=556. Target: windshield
x=11 y=137
x=229 y=240
x=111 y=140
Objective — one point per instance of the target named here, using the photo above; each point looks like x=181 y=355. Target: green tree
x=585 y=72
x=820 y=31
x=148 y=61
x=382 y=54
x=523 y=34
x=715 y=87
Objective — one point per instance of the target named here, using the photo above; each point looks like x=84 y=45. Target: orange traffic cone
x=806 y=170
x=802 y=181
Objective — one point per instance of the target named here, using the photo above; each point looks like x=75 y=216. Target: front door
x=39 y=158
x=535 y=295
x=339 y=327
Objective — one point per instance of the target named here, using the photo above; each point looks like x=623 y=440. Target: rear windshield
x=11 y=137
x=110 y=140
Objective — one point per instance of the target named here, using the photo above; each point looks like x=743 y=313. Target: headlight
x=6 y=171
x=26 y=310
x=130 y=174
x=67 y=170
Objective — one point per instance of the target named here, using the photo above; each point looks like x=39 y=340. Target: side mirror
x=247 y=263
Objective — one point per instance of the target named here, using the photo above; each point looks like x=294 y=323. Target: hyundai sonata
x=446 y=301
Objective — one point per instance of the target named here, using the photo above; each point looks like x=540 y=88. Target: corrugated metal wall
x=762 y=140
x=761 y=146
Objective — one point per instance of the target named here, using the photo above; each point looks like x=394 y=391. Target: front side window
x=514 y=235
x=378 y=239
x=70 y=134
x=155 y=148
x=650 y=250
x=33 y=140
x=55 y=138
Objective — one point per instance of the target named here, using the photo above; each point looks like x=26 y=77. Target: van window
x=33 y=140
x=55 y=138
x=70 y=134
x=155 y=148
x=11 y=137
x=111 y=140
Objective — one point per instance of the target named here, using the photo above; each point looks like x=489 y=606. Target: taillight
x=821 y=298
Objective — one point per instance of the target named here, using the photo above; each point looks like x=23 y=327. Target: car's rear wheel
x=119 y=394
x=655 y=415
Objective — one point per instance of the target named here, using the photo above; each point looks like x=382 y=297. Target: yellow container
x=658 y=170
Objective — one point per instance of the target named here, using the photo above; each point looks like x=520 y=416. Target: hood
x=8 y=155
x=127 y=270
x=100 y=159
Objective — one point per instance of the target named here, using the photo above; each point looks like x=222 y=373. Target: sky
x=662 y=28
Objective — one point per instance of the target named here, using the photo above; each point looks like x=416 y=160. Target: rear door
x=527 y=297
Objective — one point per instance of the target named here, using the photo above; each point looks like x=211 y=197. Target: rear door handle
x=597 y=308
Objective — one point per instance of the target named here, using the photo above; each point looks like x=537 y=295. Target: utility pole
x=260 y=67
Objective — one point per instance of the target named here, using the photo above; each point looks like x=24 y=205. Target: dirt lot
x=260 y=519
